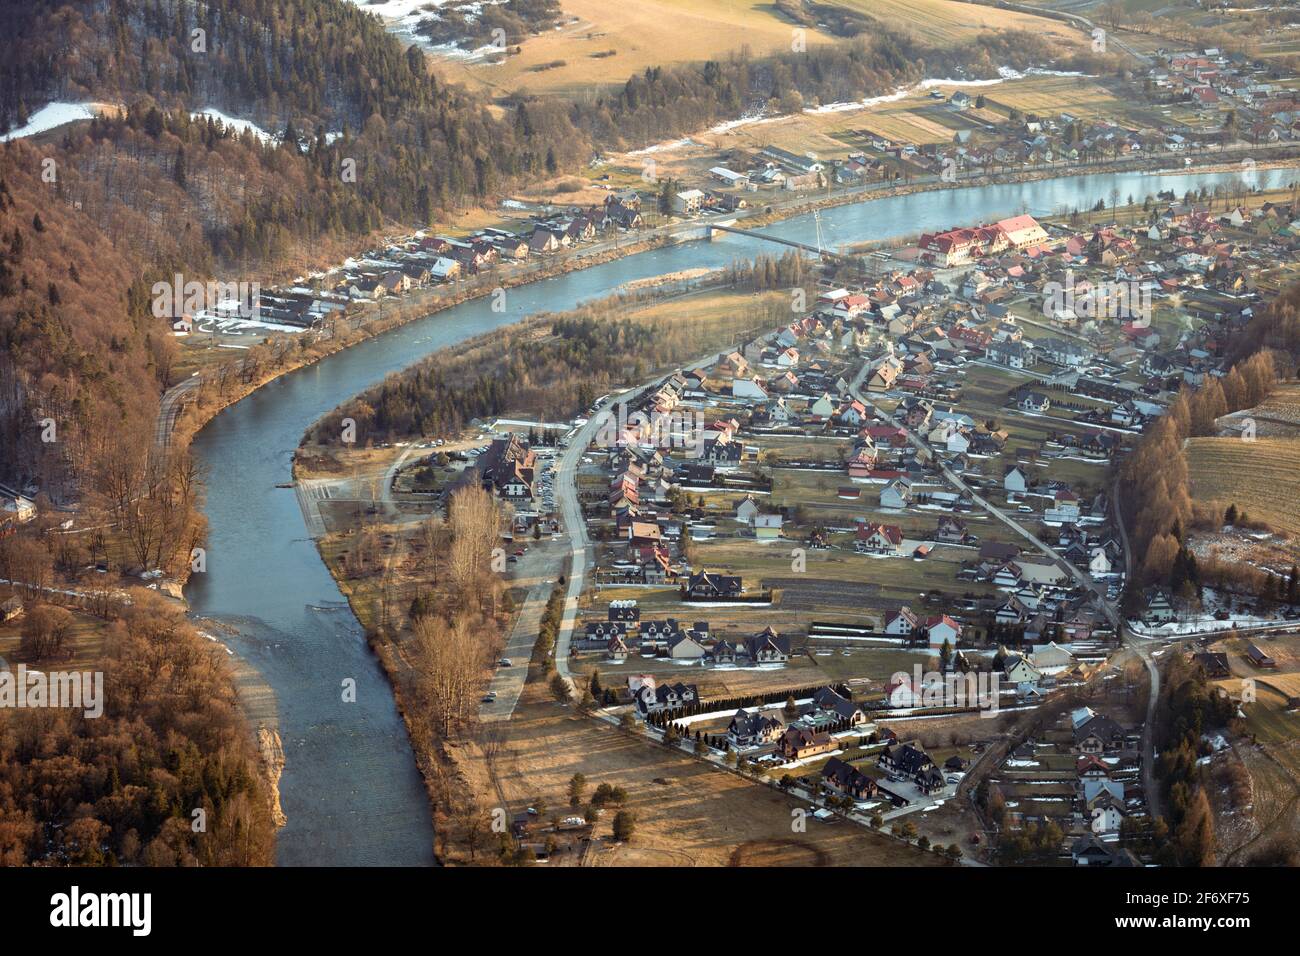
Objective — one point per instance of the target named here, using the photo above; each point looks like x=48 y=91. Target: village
x=797 y=562
x=1184 y=106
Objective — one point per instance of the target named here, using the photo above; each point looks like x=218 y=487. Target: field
x=948 y=21
x=1051 y=95
x=1250 y=474
x=609 y=42
x=648 y=33
x=687 y=813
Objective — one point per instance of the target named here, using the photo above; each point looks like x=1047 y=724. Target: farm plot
x=1250 y=475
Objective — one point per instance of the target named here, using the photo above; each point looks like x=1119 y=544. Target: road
x=508 y=682
x=1143 y=650
x=582 y=555
x=169 y=408
x=957 y=482
x=1083 y=23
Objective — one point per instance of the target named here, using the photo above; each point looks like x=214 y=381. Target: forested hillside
x=78 y=346
x=149 y=191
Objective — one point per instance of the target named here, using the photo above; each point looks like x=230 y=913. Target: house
x=1090 y=851
x=942 y=629
x=767 y=647
x=1106 y=811
x=682 y=646
x=617 y=650
x=1014 y=481
x=800 y=741
x=879 y=538
x=1051 y=658
x=705 y=584
x=767 y=527
x=688 y=202
x=1257 y=656
x=830 y=702
x=625 y=611
x=651 y=699
x=896 y=494
x=1019 y=670
x=950 y=530
x=904 y=760
x=1096 y=734
x=901 y=622
x=1009 y=353
x=1099 y=564
x=1030 y=401
x=747 y=510
x=751 y=728
x=604 y=630
x=1215 y=664
x=844 y=778
x=1160 y=606
x=507 y=469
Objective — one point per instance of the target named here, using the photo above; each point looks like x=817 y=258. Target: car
x=512 y=559
x=1025 y=509
x=504 y=662
x=519 y=552
x=489 y=698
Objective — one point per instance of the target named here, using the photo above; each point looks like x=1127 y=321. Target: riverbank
x=430 y=302
x=701 y=320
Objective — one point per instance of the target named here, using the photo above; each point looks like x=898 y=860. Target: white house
x=896 y=494
x=901 y=623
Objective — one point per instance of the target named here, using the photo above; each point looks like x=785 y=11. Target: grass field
x=1051 y=95
x=1253 y=475
x=687 y=813
x=611 y=41
x=948 y=21
x=644 y=34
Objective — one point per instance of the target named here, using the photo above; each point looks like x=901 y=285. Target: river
x=350 y=788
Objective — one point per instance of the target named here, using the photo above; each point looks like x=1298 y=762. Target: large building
x=507 y=469
x=957 y=246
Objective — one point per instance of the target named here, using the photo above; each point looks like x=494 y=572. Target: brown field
x=1050 y=95
x=652 y=33
x=1249 y=474
x=647 y=33
x=688 y=813
x=949 y=21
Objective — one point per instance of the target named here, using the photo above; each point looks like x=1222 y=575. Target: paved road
x=582 y=555
x=169 y=408
x=960 y=484
x=508 y=682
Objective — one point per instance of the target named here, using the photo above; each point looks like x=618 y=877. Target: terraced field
x=1255 y=475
